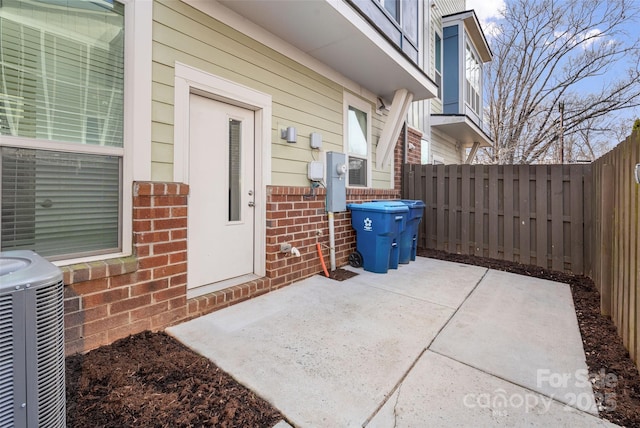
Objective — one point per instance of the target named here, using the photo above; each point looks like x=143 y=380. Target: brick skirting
x=111 y=299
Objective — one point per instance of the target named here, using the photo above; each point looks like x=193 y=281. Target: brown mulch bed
x=614 y=376
x=151 y=380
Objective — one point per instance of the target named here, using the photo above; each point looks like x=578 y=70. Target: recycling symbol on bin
x=368 y=224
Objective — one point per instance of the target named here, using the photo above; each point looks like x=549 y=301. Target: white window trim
x=438 y=32
x=476 y=57
x=190 y=80
x=137 y=123
x=350 y=100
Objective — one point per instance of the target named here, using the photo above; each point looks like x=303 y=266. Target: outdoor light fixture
x=289 y=134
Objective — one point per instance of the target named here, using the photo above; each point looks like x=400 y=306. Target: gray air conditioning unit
x=32 y=389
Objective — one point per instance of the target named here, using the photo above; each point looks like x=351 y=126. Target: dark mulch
x=614 y=376
x=151 y=380
x=340 y=274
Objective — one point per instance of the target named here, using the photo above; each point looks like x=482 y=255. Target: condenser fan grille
x=6 y=360
x=50 y=352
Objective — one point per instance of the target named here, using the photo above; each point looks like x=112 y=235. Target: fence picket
x=493 y=213
x=453 y=210
x=576 y=196
x=541 y=217
x=465 y=210
x=524 y=223
x=508 y=212
x=478 y=211
x=557 y=219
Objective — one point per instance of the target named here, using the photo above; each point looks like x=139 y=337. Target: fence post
x=606 y=235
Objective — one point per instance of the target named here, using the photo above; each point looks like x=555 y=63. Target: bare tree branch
x=548 y=52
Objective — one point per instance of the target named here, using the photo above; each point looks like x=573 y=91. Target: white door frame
x=191 y=80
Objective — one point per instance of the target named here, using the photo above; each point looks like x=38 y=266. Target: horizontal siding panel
x=311 y=119
x=178 y=15
x=162 y=133
x=162 y=153
x=163 y=74
x=286 y=151
x=208 y=42
x=280 y=89
x=162 y=112
x=162 y=93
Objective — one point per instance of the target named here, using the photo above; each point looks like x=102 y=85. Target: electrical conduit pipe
x=332 y=242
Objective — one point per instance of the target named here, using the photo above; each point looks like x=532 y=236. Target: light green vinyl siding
x=301 y=97
x=445 y=149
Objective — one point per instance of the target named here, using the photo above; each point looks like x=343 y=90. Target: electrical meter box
x=336 y=182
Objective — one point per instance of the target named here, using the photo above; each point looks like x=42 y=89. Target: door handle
x=252 y=204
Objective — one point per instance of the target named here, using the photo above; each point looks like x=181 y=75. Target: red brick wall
x=105 y=301
x=413 y=155
x=111 y=299
x=296 y=216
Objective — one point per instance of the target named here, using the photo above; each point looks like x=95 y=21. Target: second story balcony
x=357 y=38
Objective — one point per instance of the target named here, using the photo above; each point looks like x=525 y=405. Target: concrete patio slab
x=525 y=331
x=406 y=347
x=325 y=353
x=435 y=281
x=447 y=393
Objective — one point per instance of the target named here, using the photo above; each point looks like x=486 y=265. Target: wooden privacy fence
x=530 y=214
x=615 y=249
x=583 y=219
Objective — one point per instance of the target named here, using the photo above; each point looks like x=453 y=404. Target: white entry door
x=221 y=193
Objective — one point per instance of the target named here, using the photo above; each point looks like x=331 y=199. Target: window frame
x=472 y=95
x=350 y=100
x=398 y=18
x=438 y=72
x=136 y=126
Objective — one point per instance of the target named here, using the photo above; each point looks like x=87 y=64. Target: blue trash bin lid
x=413 y=203
x=380 y=206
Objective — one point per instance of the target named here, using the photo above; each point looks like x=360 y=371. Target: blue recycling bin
x=378 y=227
x=409 y=238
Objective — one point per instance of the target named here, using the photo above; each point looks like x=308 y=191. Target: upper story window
x=438 y=62
x=392 y=7
x=464 y=51
x=358 y=141
x=61 y=127
x=398 y=20
x=472 y=79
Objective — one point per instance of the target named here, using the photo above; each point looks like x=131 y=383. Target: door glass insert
x=235 y=131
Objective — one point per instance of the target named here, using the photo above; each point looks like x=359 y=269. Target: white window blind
x=59 y=203
x=61 y=81
x=358 y=146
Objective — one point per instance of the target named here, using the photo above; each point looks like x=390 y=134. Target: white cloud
x=488 y=12
x=587 y=38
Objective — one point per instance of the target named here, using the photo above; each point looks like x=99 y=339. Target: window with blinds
x=59 y=203
x=61 y=86
x=358 y=146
